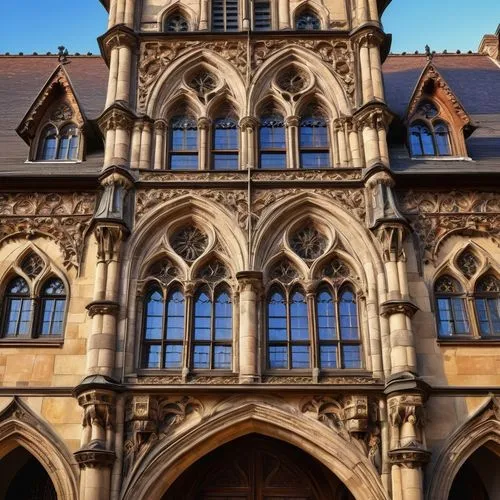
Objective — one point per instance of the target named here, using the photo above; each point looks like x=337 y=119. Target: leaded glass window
x=442 y=137
x=487 y=304
x=314 y=144
x=272 y=142
x=452 y=317
x=176 y=23
x=18 y=309
x=163 y=337
x=307 y=20
x=183 y=143
x=53 y=305
x=48 y=148
x=421 y=140
x=212 y=329
x=63 y=145
x=225 y=144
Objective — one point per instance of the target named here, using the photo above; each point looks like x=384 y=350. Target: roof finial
x=63 y=54
x=428 y=53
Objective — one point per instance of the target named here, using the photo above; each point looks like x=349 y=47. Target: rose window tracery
x=214 y=271
x=489 y=284
x=446 y=284
x=284 y=271
x=293 y=81
x=189 y=242
x=32 y=265
x=336 y=269
x=427 y=109
x=308 y=243
x=164 y=270
x=176 y=23
x=468 y=264
x=203 y=83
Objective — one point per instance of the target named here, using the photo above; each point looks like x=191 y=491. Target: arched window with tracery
x=176 y=23
x=307 y=20
x=183 y=147
x=487 y=305
x=272 y=141
x=225 y=143
x=52 y=307
x=18 y=310
x=59 y=145
x=452 y=316
x=313 y=141
x=429 y=134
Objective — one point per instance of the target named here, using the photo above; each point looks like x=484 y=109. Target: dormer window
x=59 y=145
x=429 y=135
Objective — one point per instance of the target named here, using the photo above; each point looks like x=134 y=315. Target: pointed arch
x=175 y=8
x=20 y=426
x=237 y=417
x=316 y=8
x=482 y=428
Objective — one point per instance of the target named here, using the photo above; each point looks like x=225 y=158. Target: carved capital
x=118 y=36
x=204 y=123
x=109 y=239
x=249 y=122
x=250 y=281
x=405 y=307
x=292 y=121
x=160 y=126
x=103 y=307
x=94 y=455
x=409 y=457
x=98 y=408
x=356 y=413
x=392 y=236
x=115 y=118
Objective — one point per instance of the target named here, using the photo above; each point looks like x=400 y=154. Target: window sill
x=441 y=158
x=472 y=341
x=51 y=162
x=31 y=342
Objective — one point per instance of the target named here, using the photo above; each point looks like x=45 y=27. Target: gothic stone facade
x=227 y=227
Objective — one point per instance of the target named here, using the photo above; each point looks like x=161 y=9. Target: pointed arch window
x=442 y=137
x=451 y=308
x=317 y=330
x=307 y=20
x=272 y=141
x=183 y=143
x=225 y=15
x=176 y=23
x=60 y=145
x=53 y=305
x=18 y=309
x=225 y=144
x=487 y=305
x=212 y=329
x=314 y=143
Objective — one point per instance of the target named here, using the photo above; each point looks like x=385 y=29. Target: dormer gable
x=437 y=122
x=55 y=112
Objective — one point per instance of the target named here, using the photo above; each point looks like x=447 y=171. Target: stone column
x=119 y=122
x=135 y=147
x=354 y=146
x=112 y=13
x=204 y=146
x=342 y=145
x=128 y=16
x=160 y=131
x=203 y=15
x=248 y=148
x=145 y=154
x=292 y=136
x=376 y=68
x=365 y=64
x=250 y=284
x=363 y=12
x=408 y=454
x=284 y=14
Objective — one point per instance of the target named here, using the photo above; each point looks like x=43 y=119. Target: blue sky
x=33 y=25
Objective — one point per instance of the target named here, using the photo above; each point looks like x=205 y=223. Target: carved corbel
x=98 y=407
x=109 y=239
x=406 y=416
x=118 y=36
x=392 y=237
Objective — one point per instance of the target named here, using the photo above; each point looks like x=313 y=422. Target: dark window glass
x=225 y=144
x=68 y=143
x=327 y=328
x=421 y=141
x=442 y=136
x=213 y=330
x=18 y=309
x=163 y=329
x=277 y=329
x=487 y=302
x=262 y=15
x=307 y=20
x=176 y=23
x=313 y=141
x=53 y=304
x=49 y=144
x=272 y=142
x=452 y=315
x=183 y=143
x=225 y=15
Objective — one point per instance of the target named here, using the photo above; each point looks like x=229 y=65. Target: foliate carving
x=189 y=242
x=308 y=242
x=398 y=307
x=63 y=217
x=151 y=419
x=62 y=113
x=330 y=412
x=109 y=239
x=116 y=118
x=406 y=408
x=98 y=409
x=434 y=216
x=156 y=56
x=32 y=265
x=103 y=307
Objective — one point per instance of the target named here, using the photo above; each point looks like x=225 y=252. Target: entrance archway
x=23 y=476
x=478 y=477
x=256 y=467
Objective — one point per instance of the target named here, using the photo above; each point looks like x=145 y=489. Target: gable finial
x=428 y=53
x=63 y=54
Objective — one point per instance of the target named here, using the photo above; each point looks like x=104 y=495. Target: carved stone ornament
x=410 y=458
x=434 y=216
x=336 y=270
x=468 y=264
x=213 y=272
x=163 y=270
x=65 y=218
x=155 y=57
x=330 y=412
x=32 y=265
x=98 y=408
x=62 y=113
x=308 y=242
x=189 y=242
x=94 y=455
x=398 y=307
x=103 y=307
x=284 y=271
x=292 y=80
x=203 y=83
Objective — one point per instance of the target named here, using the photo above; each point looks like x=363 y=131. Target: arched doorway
x=255 y=467
x=23 y=477
x=478 y=478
